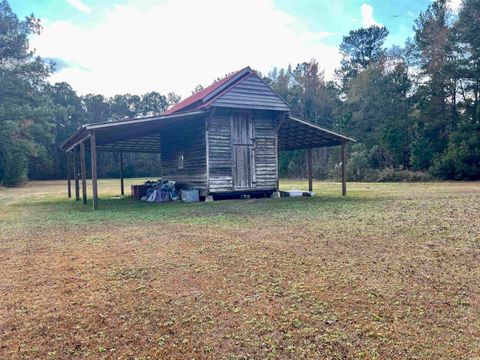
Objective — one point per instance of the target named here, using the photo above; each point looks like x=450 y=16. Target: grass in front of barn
x=391 y=271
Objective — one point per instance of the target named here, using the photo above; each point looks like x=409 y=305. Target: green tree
x=434 y=50
x=311 y=98
x=467 y=30
x=173 y=98
x=97 y=108
x=461 y=159
x=25 y=111
x=68 y=114
x=361 y=48
x=153 y=103
x=124 y=106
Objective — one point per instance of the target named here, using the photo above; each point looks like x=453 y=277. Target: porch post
x=93 y=150
x=69 y=175
x=310 y=166
x=83 y=168
x=344 y=180
x=122 y=189
x=75 y=173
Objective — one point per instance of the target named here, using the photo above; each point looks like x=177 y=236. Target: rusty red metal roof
x=195 y=101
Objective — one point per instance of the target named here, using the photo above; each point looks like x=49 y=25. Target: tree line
x=413 y=109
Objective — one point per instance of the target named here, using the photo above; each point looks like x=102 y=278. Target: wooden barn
x=224 y=139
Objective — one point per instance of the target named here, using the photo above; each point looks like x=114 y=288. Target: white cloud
x=411 y=14
x=176 y=45
x=455 y=5
x=367 y=16
x=79 y=5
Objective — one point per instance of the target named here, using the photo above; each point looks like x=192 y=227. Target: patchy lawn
x=392 y=271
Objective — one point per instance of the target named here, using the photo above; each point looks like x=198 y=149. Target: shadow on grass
x=127 y=210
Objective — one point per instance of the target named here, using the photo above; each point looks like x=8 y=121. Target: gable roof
x=199 y=96
x=241 y=89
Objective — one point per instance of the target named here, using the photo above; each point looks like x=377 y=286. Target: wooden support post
x=83 y=168
x=93 y=150
x=277 y=159
x=122 y=189
x=344 y=180
x=75 y=173
x=310 y=170
x=278 y=178
x=69 y=175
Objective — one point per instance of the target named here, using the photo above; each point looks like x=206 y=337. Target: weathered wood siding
x=243 y=150
x=220 y=151
x=265 y=150
x=251 y=93
x=187 y=137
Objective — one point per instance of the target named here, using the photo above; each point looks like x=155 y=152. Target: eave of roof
x=333 y=133
x=85 y=130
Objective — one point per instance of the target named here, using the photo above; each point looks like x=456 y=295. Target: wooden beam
x=83 y=168
x=69 y=175
x=207 y=146
x=77 y=143
x=75 y=173
x=310 y=166
x=344 y=179
x=277 y=163
x=93 y=151
x=122 y=189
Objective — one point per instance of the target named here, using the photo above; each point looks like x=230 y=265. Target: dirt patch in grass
x=393 y=271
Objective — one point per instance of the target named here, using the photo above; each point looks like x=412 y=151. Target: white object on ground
x=295 y=192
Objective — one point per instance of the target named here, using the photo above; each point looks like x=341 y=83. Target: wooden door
x=243 y=151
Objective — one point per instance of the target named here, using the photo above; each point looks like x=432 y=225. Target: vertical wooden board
x=260 y=135
x=75 y=174
x=187 y=138
x=344 y=178
x=69 y=175
x=243 y=143
x=310 y=170
x=93 y=152
x=83 y=167
x=252 y=140
x=265 y=153
x=207 y=150
x=233 y=152
x=122 y=188
x=277 y=175
x=220 y=152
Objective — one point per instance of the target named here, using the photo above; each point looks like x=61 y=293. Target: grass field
x=390 y=272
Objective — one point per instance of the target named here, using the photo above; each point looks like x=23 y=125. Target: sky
x=135 y=46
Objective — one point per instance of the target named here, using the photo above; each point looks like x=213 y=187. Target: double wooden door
x=243 y=141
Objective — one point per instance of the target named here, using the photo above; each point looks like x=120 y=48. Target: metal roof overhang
x=142 y=134
x=295 y=134
x=130 y=135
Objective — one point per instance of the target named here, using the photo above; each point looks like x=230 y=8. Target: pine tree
x=434 y=50
x=25 y=111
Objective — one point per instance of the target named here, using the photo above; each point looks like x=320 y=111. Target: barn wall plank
x=221 y=150
x=265 y=150
x=187 y=138
x=251 y=93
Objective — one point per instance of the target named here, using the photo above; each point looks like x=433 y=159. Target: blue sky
x=119 y=46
